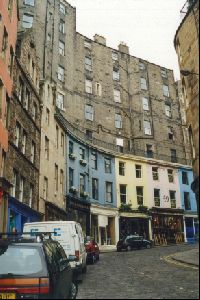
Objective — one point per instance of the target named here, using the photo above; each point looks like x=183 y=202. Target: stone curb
x=185 y=262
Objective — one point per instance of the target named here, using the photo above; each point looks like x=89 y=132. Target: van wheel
x=84 y=270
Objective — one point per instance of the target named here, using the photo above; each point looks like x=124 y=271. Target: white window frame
x=29 y=2
x=118 y=121
x=142 y=66
x=145 y=102
x=33 y=148
x=89 y=112
x=21 y=189
x=61 y=48
x=143 y=83
x=62 y=26
x=115 y=56
x=62 y=8
x=61 y=74
x=166 y=91
x=17 y=134
x=116 y=75
x=147 y=128
x=88 y=64
x=168 y=110
x=24 y=142
x=60 y=101
x=117 y=96
x=88 y=86
x=164 y=73
x=27 y=21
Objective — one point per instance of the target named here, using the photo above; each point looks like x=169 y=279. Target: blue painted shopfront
x=189 y=204
x=19 y=214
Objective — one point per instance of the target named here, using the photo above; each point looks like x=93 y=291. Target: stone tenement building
x=117 y=100
x=8 y=36
x=23 y=158
x=187 y=46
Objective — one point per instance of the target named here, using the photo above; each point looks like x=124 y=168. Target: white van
x=69 y=234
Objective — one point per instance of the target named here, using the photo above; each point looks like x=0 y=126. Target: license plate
x=7 y=296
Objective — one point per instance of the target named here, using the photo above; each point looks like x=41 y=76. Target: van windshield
x=20 y=260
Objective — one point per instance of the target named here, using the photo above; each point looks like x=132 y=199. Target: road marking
x=170 y=260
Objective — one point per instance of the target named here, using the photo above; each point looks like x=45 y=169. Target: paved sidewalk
x=190 y=257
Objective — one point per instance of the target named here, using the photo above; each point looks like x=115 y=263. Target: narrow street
x=140 y=274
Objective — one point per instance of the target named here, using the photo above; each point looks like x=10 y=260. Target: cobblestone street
x=140 y=274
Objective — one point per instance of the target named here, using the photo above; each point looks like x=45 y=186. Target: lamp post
x=187 y=73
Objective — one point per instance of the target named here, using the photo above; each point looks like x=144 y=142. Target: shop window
x=155 y=173
x=122 y=166
x=157 y=197
x=173 y=199
x=109 y=192
x=185 y=179
x=138 y=170
x=95 y=189
x=187 y=201
x=108 y=166
x=140 y=195
x=123 y=194
x=171 y=176
x=94 y=160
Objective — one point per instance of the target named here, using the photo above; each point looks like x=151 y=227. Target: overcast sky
x=147 y=26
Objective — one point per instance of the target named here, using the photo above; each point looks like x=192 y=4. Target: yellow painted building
x=132 y=196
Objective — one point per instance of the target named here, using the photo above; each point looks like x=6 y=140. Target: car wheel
x=74 y=291
x=129 y=248
x=148 y=246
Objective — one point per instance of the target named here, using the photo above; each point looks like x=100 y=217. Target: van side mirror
x=72 y=258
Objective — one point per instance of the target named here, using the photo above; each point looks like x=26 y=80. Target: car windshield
x=17 y=260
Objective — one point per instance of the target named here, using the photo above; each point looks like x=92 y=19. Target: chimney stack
x=123 y=48
x=100 y=39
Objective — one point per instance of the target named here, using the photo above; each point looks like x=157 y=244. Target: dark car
x=31 y=269
x=93 y=252
x=133 y=242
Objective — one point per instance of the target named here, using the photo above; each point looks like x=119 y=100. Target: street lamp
x=187 y=73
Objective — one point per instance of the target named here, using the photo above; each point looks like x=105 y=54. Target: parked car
x=35 y=269
x=133 y=242
x=70 y=236
x=93 y=252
